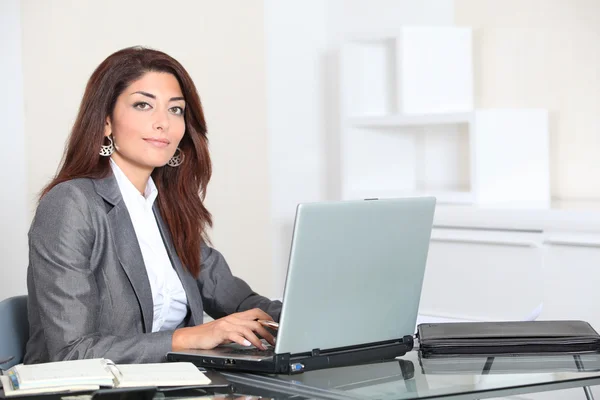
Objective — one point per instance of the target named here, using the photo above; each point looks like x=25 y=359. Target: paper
x=9 y=391
x=63 y=373
x=165 y=374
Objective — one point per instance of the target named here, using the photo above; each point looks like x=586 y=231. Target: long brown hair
x=181 y=189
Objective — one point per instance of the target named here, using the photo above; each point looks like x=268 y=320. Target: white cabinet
x=486 y=270
x=511 y=157
x=483 y=274
x=418 y=70
x=572 y=277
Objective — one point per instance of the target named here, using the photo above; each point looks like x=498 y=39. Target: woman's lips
x=160 y=143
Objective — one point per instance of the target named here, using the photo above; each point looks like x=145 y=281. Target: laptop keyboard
x=253 y=351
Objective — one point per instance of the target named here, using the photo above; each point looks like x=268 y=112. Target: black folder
x=497 y=338
x=509 y=364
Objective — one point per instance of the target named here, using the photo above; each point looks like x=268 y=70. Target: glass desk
x=410 y=377
x=414 y=377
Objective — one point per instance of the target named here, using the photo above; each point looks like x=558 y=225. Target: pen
x=269 y=324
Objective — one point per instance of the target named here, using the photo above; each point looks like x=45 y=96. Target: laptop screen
x=355 y=273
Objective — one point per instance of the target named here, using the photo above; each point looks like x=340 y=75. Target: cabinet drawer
x=572 y=278
x=483 y=274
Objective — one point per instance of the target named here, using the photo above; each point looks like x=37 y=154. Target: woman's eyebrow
x=145 y=94
x=154 y=97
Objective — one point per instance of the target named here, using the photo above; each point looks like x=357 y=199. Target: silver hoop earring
x=107 y=150
x=177 y=158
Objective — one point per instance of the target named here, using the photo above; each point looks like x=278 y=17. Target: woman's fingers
x=243 y=328
x=257 y=327
x=251 y=337
x=254 y=314
x=265 y=334
x=231 y=328
x=249 y=329
x=239 y=339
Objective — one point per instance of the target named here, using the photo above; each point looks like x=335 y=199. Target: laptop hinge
x=315 y=352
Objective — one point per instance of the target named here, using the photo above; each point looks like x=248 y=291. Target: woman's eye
x=177 y=110
x=142 y=105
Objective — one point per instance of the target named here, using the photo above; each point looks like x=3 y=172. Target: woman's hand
x=240 y=328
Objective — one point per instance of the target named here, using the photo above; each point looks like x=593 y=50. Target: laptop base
x=297 y=363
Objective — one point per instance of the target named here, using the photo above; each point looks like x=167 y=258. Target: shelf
x=554 y=218
x=443 y=197
x=411 y=120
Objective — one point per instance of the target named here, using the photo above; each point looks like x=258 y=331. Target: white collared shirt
x=170 y=301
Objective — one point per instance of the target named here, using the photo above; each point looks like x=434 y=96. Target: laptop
x=352 y=290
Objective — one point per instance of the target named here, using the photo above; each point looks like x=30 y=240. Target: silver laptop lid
x=355 y=273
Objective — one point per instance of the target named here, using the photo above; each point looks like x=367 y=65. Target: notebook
x=88 y=375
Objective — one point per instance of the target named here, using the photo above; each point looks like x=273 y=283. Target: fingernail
x=274 y=340
x=247 y=343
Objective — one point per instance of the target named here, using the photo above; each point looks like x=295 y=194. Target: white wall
x=545 y=54
x=267 y=73
x=295 y=43
x=222 y=46
x=302 y=95
x=13 y=201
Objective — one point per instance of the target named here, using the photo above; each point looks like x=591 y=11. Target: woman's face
x=147 y=123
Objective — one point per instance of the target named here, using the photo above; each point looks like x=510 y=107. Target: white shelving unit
x=411 y=120
x=409 y=127
x=399 y=157
x=420 y=70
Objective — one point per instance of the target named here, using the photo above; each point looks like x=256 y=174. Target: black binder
x=509 y=364
x=498 y=338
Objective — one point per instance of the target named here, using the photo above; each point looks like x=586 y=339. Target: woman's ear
x=107 y=127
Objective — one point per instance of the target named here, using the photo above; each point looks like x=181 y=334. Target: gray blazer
x=89 y=294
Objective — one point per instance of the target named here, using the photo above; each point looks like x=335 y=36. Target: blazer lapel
x=190 y=285
x=128 y=249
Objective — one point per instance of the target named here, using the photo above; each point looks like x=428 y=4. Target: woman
x=118 y=265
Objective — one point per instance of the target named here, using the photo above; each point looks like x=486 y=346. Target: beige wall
x=14 y=212
x=221 y=43
x=545 y=53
